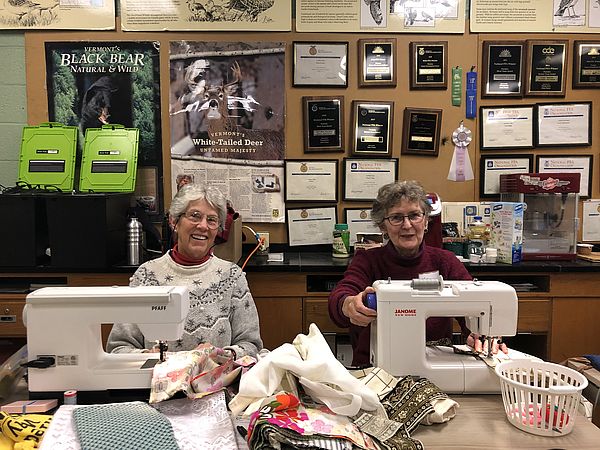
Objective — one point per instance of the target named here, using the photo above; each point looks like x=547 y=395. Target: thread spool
x=428 y=284
x=70 y=397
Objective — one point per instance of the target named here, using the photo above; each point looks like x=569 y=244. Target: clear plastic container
x=478 y=235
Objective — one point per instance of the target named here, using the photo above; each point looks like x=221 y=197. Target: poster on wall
x=97 y=83
x=227 y=108
x=369 y=16
x=57 y=15
x=207 y=15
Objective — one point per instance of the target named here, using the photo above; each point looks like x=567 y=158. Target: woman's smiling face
x=407 y=235
x=196 y=230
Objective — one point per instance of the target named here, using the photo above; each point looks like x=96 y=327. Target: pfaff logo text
x=405 y=312
x=159 y=308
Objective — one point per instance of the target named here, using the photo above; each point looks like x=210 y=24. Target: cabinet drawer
x=534 y=315
x=315 y=311
x=11 y=319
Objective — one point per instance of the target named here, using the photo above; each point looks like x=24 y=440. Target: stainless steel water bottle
x=134 y=242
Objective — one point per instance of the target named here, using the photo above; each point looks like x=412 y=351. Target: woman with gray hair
x=401 y=211
x=222 y=310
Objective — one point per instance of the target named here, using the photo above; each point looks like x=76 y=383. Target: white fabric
x=324 y=378
x=200 y=424
x=444 y=409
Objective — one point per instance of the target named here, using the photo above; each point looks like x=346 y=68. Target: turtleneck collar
x=408 y=258
x=186 y=261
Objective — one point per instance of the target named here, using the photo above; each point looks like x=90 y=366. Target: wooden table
x=481 y=423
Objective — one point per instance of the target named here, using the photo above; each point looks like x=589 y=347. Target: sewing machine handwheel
x=371 y=300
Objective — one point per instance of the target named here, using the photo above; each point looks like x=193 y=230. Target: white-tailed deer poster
x=227 y=118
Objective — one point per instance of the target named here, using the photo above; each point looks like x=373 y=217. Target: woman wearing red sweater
x=401 y=211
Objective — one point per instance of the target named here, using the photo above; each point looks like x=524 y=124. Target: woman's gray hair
x=192 y=192
x=390 y=195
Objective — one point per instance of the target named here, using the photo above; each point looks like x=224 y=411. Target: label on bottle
x=341 y=243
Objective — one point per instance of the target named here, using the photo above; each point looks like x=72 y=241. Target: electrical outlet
x=264 y=247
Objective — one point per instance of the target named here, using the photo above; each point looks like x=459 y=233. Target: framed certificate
x=428 y=65
x=377 y=62
x=322 y=64
x=359 y=221
x=323 y=120
x=311 y=181
x=502 y=69
x=563 y=124
x=372 y=127
x=492 y=166
x=310 y=226
x=581 y=164
x=546 y=68
x=586 y=64
x=364 y=177
x=506 y=127
x=421 y=131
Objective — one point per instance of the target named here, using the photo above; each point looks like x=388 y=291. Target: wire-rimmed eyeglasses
x=212 y=222
x=398 y=219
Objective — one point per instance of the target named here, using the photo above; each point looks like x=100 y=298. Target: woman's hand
x=480 y=344
x=355 y=310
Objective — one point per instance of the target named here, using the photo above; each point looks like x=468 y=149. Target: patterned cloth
x=222 y=310
x=123 y=426
x=376 y=379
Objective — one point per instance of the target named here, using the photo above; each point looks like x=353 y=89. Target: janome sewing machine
x=64 y=340
x=398 y=334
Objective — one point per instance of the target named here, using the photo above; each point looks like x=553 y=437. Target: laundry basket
x=540 y=397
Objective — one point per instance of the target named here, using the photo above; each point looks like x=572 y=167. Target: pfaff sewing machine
x=64 y=334
x=398 y=334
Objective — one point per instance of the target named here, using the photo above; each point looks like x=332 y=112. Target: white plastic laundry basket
x=540 y=397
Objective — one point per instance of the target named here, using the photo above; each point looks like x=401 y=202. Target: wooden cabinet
x=280 y=319
x=11 y=316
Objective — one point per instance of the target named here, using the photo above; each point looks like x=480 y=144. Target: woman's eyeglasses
x=212 y=222
x=398 y=219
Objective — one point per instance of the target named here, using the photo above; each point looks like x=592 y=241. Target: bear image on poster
x=106 y=101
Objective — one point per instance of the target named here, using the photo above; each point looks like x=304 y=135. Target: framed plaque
x=310 y=226
x=322 y=64
x=502 y=69
x=546 y=68
x=311 y=181
x=377 y=62
x=421 y=131
x=363 y=177
x=372 y=127
x=586 y=64
x=581 y=164
x=506 y=127
x=492 y=166
x=429 y=65
x=359 y=221
x=323 y=120
x=563 y=124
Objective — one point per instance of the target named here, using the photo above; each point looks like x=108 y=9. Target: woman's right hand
x=355 y=310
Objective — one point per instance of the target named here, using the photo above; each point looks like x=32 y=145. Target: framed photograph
x=377 y=62
x=492 y=166
x=310 y=226
x=563 y=124
x=311 y=181
x=586 y=64
x=320 y=64
x=502 y=69
x=359 y=222
x=421 y=131
x=506 y=127
x=364 y=177
x=581 y=164
x=546 y=68
x=372 y=128
x=428 y=65
x=323 y=121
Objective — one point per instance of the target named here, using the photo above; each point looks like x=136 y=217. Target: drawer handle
x=8 y=318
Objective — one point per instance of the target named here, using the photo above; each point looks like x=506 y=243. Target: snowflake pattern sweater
x=222 y=310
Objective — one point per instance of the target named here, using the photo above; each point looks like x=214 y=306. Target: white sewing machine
x=64 y=327
x=398 y=334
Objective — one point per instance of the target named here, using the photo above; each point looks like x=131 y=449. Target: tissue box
x=506 y=220
x=29 y=406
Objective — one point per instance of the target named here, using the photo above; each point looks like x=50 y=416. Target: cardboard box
x=506 y=220
x=29 y=406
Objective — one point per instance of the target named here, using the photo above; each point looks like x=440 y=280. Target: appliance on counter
x=433 y=237
x=550 y=219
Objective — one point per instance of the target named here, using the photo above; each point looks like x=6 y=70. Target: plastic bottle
x=478 y=235
x=134 y=242
x=341 y=241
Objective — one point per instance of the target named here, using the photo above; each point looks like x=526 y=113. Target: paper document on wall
x=591 y=220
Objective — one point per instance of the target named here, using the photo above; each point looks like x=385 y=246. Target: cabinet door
x=316 y=311
x=534 y=315
x=575 y=330
x=280 y=319
x=11 y=318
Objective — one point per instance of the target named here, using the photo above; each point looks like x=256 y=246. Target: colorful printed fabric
x=285 y=420
x=24 y=428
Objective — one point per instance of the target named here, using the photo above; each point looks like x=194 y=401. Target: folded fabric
x=594 y=360
x=123 y=426
x=323 y=377
x=26 y=430
x=376 y=379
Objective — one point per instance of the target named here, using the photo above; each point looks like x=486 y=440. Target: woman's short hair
x=390 y=195
x=192 y=192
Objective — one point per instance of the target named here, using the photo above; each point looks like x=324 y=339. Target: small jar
x=341 y=241
x=70 y=397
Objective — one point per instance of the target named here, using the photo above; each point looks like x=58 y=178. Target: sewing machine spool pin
x=163 y=347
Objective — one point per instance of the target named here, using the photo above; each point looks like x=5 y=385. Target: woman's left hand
x=480 y=344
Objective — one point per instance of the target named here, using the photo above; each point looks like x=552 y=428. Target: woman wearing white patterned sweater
x=222 y=310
